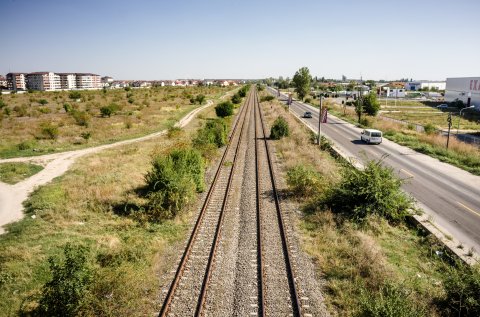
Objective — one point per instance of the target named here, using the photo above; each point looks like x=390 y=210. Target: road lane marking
x=407 y=172
x=469 y=209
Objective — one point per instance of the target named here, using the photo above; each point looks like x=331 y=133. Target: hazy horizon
x=148 y=40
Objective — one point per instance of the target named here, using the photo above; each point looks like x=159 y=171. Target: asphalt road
x=449 y=195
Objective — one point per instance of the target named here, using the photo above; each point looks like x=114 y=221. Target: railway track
x=274 y=286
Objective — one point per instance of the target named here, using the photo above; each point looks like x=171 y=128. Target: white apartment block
x=68 y=81
x=88 y=81
x=16 y=81
x=47 y=81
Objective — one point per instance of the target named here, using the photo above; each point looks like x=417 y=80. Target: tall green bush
x=65 y=293
x=214 y=132
x=462 y=288
x=224 y=109
x=279 y=129
x=173 y=182
x=374 y=190
x=303 y=180
x=236 y=99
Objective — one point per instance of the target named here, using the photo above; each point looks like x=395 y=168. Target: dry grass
x=356 y=260
x=89 y=205
x=152 y=110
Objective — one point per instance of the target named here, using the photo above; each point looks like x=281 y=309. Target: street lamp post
x=320 y=123
x=460 y=115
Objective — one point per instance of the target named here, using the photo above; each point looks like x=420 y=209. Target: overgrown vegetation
x=224 y=109
x=101 y=203
x=374 y=190
x=172 y=183
x=109 y=115
x=279 y=129
x=373 y=263
x=12 y=173
x=66 y=292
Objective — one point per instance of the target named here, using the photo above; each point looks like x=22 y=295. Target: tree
x=200 y=99
x=370 y=104
x=301 y=82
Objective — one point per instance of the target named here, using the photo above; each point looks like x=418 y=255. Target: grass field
x=12 y=173
x=361 y=265
x=424 y=113
x=89 y=206
x=44 y=122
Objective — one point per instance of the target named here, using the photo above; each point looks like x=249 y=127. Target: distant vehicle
x=371 y=136
x=442 y=106
x=307 y=114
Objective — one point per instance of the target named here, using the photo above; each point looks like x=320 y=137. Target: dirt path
x=13 y=196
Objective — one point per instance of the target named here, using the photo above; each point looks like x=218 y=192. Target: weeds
x=279 y=129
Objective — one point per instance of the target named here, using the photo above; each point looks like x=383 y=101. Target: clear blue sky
x=242 y=39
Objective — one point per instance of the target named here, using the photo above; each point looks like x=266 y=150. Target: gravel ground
x=234 y=287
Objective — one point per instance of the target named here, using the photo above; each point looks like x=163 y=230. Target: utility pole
x=320 y=122
x=449 y=120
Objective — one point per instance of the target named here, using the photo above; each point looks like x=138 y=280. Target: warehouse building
x=466 y=89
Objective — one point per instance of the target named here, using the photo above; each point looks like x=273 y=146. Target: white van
x=371 y=136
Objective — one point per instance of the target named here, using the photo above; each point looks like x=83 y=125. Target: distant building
x=395 y=92
x=141 y=84
x=47 y=81
x=466 y=89
x=16 y=81
x=68 y=81
x=107 y=80
x=88 y=81
x=3 y=82
x=420 y=85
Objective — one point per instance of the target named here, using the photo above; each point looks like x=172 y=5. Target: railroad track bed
x=253 y=270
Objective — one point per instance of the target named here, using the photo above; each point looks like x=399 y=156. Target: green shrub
x=462 y=288
x=81 y=118
x=429 y=128
x=308 y=100
x=200 y=99
x=303 y=181
x=267 y=98
x=26 y=145
x=43 y=102
x=365 y=122
x=390 y=301
x=109 y=110
x=74 y=95
x=224 y=109
x=279 y=129
x=49 y=131
x=20 y=110
x=2 y=104
x=374 y=190
x=65 y=293
x=173 y=181
x=236 y=99
x=243 y=91
x=214 y=132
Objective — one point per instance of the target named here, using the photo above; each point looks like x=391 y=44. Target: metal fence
x=467 y=138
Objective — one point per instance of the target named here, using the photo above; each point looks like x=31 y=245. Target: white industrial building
x=463 y=88
x=422 y=84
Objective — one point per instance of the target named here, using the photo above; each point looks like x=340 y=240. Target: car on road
x=307 y=114
x=442 y=106
x=371 y=136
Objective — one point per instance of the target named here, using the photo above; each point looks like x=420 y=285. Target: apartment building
x=47 y=81
x=68 y=81
x=16 y=81
x=88 y=81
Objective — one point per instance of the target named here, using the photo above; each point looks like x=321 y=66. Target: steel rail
x=218 y=231
x=296 y=304
x=181 y=267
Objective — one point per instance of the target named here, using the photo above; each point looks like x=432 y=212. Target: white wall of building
x=417 y=85
x=461 y=88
